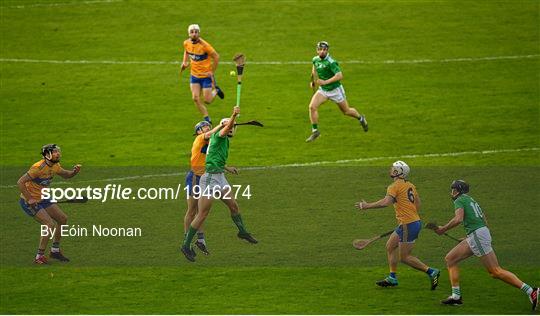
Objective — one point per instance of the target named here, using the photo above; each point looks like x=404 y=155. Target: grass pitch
x=464 y=78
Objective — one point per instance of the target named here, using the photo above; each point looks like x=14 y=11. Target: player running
x=214 y=180
x=202 y=70
x=203 y=130
x=44 y=211
x=478 y=242
x=327 y=70
x=399 y=246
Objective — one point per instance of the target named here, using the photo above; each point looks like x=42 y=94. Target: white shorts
x=480 y=241
x=337 y=95
x=211 y=182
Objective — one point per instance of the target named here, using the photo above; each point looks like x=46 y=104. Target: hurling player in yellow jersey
x=203 y=131
x=403 y=195
x=43 y=210
x=202 y=69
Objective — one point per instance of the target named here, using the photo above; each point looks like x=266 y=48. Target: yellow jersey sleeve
x=57 y=168
x=34 y=171
x=208 y=48
x=392 y=190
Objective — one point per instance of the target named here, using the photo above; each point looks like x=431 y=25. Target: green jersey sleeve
x=459 y=203
x=335 y=67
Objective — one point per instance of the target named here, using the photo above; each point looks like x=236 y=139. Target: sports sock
x=527 y=289
x=237 y=219
x=55 y=246
x=456 y=292
x=314 y=127
x=429 y=271
x=207 y=118
x=393 y=275
x=40 y=252
x=200 y=237
x=189 y=237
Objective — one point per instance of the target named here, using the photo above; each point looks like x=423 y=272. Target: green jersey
x=217 y=153
x=473 y=218
x=326 y=68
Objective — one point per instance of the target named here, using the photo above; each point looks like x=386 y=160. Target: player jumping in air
x=202 y=69
x=42 y=210
x=203 y=130
x=399 y=246
x=327 y=70
x=478 y=243
x=214 y=180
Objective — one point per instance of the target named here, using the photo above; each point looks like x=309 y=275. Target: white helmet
x=193 y=27
x=225 y=121
x=400 y=169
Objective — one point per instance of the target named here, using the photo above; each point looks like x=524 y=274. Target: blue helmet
x=200 y=125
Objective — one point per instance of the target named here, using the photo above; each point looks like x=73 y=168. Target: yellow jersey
x=198 y=154
x=404 y=194
x=199 y=53
x=41 y=174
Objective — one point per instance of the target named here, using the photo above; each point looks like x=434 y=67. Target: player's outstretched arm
x=66 y=174
x=455 y=221
x=230 y=124
x=384 y=202
x=212 y=131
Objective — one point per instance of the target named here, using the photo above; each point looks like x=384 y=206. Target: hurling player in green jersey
x=478 y=243
x=214 y=185
x=328 y=75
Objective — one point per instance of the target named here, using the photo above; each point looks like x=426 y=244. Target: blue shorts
x=409 y=232
x=204 y=82
x=191 y=181
x=32 y=211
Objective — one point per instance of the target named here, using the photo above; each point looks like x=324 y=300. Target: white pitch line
x=58 y=4
x=308 y=164
x=366 y=62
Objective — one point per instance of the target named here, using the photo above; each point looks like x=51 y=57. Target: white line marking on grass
x=308 y=164
x=58 y=4
x=367 y=62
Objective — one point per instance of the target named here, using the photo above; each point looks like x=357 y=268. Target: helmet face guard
x=400 y=170
x=199 y=126
x=48 y=150
x=225 y=121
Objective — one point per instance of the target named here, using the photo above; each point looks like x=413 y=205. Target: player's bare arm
x=336 y=77
x=455 y=221
x=215 y=61
x=212 y=131
x=312 y=83
x=232 y=170
x=384 y=202
x=20 y=183
x=66 y=174
x=230 y=124
x=185 y=62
